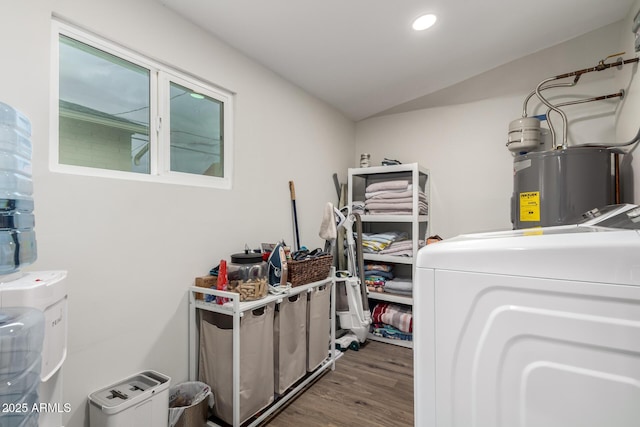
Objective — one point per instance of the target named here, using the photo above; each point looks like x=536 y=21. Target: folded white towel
x=399 y=248
x=388 y=201
x=387 y=212
x=394 y=195
x=398 y=285
x=405 y=206
x=387 y=185
x=407 y=190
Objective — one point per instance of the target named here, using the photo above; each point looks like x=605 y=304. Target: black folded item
x=214 y=271
x=390 y=162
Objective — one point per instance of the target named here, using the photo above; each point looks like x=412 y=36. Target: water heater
x=555 y=187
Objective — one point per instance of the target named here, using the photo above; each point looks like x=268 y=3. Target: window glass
x=118 y=114
x=196 y=132
x=104 y=112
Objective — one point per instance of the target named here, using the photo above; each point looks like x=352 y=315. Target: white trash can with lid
x=138 y=401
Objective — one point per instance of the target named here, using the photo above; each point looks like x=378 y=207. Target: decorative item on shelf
x=364 y=160
x=433 y=239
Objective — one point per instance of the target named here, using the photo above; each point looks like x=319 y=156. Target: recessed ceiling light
x=423 y=22
x=196 y=95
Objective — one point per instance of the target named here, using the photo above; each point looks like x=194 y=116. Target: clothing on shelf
x=379 y=277
x=388 y=331
x=395 y=315
x=376 y=275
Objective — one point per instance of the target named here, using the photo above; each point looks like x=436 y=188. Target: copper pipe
x=541 y=86
x=595 y=98
x=600 y=67
x=616 y=174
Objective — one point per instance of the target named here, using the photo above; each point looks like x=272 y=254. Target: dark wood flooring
x=371 y=387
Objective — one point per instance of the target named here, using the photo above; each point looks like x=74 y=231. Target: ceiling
x=362 y=57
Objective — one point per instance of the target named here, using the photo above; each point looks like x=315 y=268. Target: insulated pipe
x=634 y=140
x=600 y=67
x=533 y=92
x=557 y=110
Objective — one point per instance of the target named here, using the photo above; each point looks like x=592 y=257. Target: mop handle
x=292 y=190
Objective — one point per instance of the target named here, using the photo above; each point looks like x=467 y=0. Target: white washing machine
x=46 y=291
x=535 y=328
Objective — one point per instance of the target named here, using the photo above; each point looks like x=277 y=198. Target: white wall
x=132 y=248
x=463 y=145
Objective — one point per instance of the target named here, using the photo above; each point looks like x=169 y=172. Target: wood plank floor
x=371 y=387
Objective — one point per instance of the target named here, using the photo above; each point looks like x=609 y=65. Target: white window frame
x=159 y=132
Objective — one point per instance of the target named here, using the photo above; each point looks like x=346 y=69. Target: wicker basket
x=309 y=270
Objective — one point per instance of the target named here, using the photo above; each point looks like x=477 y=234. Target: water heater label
x=530 y=206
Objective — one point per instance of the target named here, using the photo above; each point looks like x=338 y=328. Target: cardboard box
x=205 y=282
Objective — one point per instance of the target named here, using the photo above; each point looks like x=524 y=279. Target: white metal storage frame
x=420 y=179
x=236 y=309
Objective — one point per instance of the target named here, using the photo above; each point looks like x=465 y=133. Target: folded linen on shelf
x=388 y=201
x=400 y=248
x=394 y=315
x=391 y=205
x=376 y=275
x=399 y=293
x=399 y=285
x=375 y=242
x=374 y=281
x=375 y=288
x=377 y=266
x=401 y=184
x=395 y=194
x=393 y=198
x=388 y=331
x=386 y=275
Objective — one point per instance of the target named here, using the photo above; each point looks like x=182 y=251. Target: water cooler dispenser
x=33 y=305
x=45 y=292
x=21 y=334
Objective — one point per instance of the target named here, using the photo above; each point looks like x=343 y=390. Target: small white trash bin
x=141 y=400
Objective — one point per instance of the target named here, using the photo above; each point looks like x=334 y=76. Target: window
x=118 y=114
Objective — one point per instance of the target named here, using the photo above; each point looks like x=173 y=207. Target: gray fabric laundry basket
x=289 y=340
x=256 y=361
x=318 y=328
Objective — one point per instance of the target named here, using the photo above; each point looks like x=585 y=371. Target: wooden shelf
x=391 y=297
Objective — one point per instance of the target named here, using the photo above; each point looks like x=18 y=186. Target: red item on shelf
x=221 y=284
